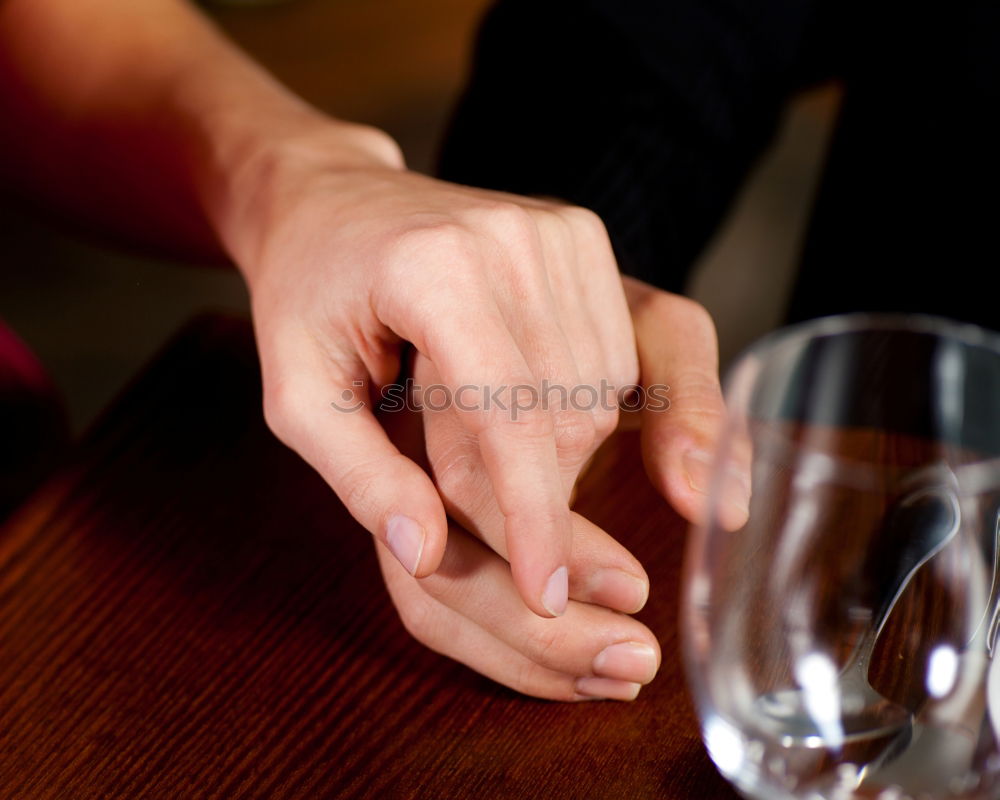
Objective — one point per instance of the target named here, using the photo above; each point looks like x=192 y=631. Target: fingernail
x=556 y=594
x=406 y=541
x=606 y=689
x=698 y=465
x=626 y=661
x=619 y=590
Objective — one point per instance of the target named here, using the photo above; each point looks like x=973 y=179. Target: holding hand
x=465 y=610
x=347 y=256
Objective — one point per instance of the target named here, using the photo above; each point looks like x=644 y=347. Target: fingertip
x=539 y=547
x=732 y=487
x=434 y=531
x=701 y=490
x=634 y=661
x=405 y=539
x=662 y=455
x=417 y=533
x=617 y=589
x=555 y=595
x=547 y=598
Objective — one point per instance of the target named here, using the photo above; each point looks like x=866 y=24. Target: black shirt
x=652 y=113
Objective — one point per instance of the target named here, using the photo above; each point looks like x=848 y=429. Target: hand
x=464 y=610
x=346 y=257
x=469 y=609
x=679 y=362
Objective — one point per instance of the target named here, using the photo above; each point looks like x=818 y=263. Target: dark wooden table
x=186 y=611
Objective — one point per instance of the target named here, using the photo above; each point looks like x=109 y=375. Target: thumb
x=678 y=360
x=326 y=417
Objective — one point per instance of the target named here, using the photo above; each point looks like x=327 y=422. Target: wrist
x=260 y=171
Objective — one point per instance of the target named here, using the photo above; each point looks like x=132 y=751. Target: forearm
x=142 y=119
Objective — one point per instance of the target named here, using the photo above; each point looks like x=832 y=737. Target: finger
x=587 y=640
x=472 y=346
x=562 y=658
x=680 y=430
x=601 y=570
x=603 y=295
x=572 y=265
x=531 y=286
x=321 y=411
x=449 y=633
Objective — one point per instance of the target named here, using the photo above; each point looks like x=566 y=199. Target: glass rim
x=856 y=321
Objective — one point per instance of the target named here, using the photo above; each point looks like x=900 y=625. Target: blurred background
x=95 y=314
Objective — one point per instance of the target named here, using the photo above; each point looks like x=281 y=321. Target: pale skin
x=141 y=119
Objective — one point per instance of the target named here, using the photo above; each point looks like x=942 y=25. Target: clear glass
x=839 y=645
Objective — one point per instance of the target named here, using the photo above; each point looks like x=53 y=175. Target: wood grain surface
x=186 y=611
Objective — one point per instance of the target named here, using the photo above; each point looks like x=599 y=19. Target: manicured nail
x=406 y=541
x=606 y=689
x=698 y=465
x=556 y=594
x=619 y=590
x=626 y=661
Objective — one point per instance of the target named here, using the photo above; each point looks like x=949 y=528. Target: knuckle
x=428 y=269
x=456 y=469
x=357 y=487
x=431 y=241
x=583 y=219
x=544 y=644
x=693 y=312
x=524 y=676
x=624 y=371
x=575 y=432
x=605 y=421
x=535 y=517
x=280 y=409
x=531 y=424
x=697 y=401
x=510 y=220
x=699 y=391
x=375 y=139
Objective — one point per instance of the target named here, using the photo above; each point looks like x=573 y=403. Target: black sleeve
x=649 y=112
x=907 y=212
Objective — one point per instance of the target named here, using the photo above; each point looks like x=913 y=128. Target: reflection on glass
x=839 y=645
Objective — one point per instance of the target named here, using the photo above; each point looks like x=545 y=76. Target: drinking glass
x=839 y=644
